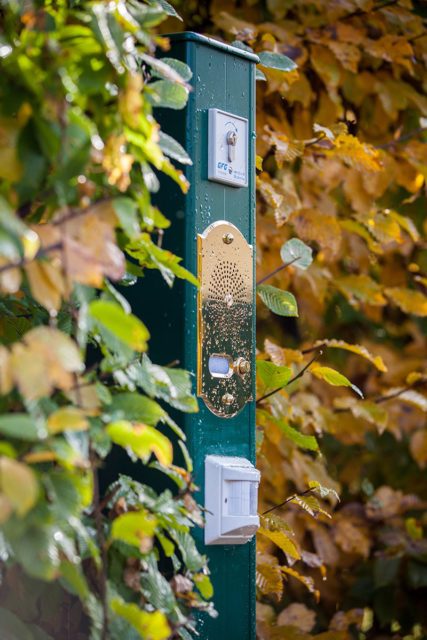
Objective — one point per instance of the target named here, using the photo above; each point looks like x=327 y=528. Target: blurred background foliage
x=342 y=165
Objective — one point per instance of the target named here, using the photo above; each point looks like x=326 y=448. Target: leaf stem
x=273 y=273
x=298 y=375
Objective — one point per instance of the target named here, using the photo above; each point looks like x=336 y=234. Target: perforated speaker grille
x=227 y=283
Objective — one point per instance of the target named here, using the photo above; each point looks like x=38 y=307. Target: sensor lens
x=220 y=366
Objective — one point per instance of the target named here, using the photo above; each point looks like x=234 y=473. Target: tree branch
x=97 y=510
x=40 y=254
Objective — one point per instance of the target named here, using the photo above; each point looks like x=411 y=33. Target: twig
x=404 y=138
x=390 y=396
x=295 y=495
x=56 y=246
x=315 y=141
x=298 y=375
x=273 y=273
x=399 y=392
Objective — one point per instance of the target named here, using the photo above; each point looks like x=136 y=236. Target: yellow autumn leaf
x=46 y=283
x=359 y=349
x=282 y=541
x=150 y=625
x=408 y=300
x=355 y=153
x=18 y=484
x=307 y=581
x=67 y=419
x=45 y=359
x=269 y=579
x=361 y=288
x=142 y=440
x=6 y=382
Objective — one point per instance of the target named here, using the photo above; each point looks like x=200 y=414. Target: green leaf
x=297 y=252
x=193 y=560
x=167 y=8
x=37 y=551
x=173 y=149
x=134 y=528
x=281 y=302
x=204 y=585
x=21 y=426
x=170 y=384
x=302 y=440
x=168 y=94
x=259 y=75
x=153 y=257
x=157 y=589
x=74 y=579
x=150 y=626
x=169 y=68
x=180 y=67
x=333 y=377
x=142 y=440
x=127 y=213
x=272 y=375
x=276 y=61
x=136 y=407
x=125 y=327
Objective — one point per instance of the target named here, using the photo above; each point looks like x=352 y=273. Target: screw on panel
x=227 y=238
x=227 y=399
x=242 y=366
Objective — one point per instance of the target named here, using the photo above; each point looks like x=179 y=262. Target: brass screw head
x=244 y=366
x=227 y=238
x=227 y=399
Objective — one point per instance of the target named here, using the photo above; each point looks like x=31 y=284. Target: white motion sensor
x=231 y=500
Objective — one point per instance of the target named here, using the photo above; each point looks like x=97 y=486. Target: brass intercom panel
x=225 y=309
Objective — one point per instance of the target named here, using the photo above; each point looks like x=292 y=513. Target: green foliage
x=281 y=302
x=78 y=149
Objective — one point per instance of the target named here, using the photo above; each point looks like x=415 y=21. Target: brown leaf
x=314 y=226
x=45 y=359
x=297 y=615
x=352 y=537
x=46 y=283
x=418 y=447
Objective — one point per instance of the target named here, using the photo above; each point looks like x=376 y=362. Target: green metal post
x=223 y=78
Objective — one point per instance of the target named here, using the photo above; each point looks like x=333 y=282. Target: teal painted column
x=223 y=78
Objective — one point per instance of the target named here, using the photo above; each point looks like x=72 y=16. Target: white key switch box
x=231 y=500
x=228 y=148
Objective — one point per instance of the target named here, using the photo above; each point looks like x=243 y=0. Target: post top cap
x=191 y=36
